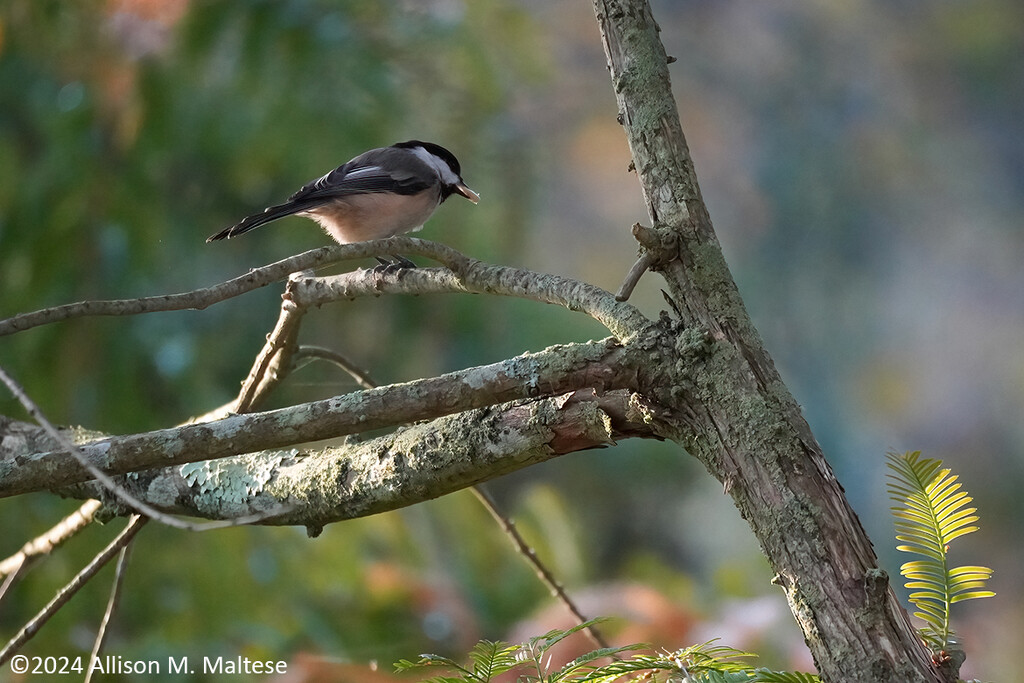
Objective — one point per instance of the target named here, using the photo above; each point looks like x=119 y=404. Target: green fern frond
x=723 y=677
x=621 y=668
x=577 y=669
x=545 y=642
x=707 y=656
x=701 y=663
x=931 y=512
x=490 y=659
x=766 y=676
x=690 y=661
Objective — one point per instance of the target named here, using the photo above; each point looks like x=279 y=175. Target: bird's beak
x=467 y=193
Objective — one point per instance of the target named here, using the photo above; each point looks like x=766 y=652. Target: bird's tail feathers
x=256 y=220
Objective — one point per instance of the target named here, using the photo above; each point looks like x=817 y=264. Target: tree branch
x=471 y=276
x=475 y=277
x=601 y=365
x=197 y=299
x=409 y=466
x=273 y=361
x=257 y=277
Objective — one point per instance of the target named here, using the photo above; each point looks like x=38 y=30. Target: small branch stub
x=658 y=247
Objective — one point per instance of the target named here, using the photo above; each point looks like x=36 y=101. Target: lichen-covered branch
x=424 y=461
x=600 y=365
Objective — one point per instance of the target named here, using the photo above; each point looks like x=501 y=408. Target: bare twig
x=472 y=275
x=642 y=265
x=108 y=483
x=14 y=573
x=507 y=525
x=196 y=299
x=115 y=598
x=543 y=573
x=274 y=360
x=257 y=277
x=52 y=539
x=311 y=352
x=68 y=591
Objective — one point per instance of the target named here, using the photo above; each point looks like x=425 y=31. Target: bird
x=382 y=192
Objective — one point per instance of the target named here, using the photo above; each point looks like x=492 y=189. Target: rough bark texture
x=560 y=369
x=315 y=487
x=727 y=405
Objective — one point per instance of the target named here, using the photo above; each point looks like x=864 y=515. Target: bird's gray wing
x=366 y=173
x=362 y=175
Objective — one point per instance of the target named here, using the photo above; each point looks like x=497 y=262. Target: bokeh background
x=864 y=167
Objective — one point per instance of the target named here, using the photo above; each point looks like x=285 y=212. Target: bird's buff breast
x=363 y=217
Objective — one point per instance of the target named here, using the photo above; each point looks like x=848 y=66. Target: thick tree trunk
x=727 y=405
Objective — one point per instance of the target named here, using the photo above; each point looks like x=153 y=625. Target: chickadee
x=381 y=193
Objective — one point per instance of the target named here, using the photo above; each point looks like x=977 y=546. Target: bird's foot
x=400 y=263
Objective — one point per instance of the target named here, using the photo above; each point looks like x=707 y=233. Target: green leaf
x=921 y=568
x=972 y=595
x=701 y=662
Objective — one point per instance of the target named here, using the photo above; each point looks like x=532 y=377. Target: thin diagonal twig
x=53 y=538
x=14 y=573
x=108 y=483
x=274 y=361
x=311 y=352
x=72 y=587
x=543 y=573
x=115 y=598
x=642 y=265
